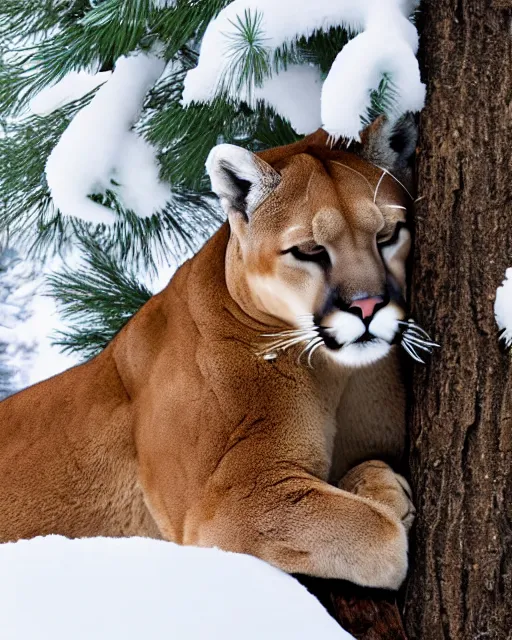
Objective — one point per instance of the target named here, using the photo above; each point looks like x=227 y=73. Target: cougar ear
x=391 y=146
x=240 y=179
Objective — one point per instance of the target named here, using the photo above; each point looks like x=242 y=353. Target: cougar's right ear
x=240 y=179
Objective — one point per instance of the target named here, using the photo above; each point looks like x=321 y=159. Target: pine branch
x=322 y=47
x=271 y=130
x=31 y=217
x=187 y=135
x=188 y=220
x=383 y=100
x=31 y=17
x=185 y=23
x=28 y=208
x=107 y=31
x=97 y=299
x=249 y=56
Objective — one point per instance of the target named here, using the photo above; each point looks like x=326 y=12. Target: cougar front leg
x=304 y=525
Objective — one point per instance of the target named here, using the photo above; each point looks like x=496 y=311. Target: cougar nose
x=367 y=305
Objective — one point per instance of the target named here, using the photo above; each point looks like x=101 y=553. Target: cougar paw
x=377 y=481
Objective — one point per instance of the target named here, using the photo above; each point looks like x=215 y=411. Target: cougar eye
x=310 y=253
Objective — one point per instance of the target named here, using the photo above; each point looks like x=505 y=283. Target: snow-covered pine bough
x=257 y=402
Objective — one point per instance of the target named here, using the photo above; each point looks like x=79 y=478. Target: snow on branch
x=99 y=151
x=386 y=43
x=503 y=309
x=74 y=85
x=163 y=4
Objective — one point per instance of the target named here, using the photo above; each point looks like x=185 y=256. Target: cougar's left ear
x=391 y=146
x=240 y=179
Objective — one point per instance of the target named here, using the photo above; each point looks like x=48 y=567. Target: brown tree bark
x=461 y=415
x=368 y=614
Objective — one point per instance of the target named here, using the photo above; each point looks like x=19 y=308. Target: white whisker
x=413 y=345
x=354 y=171
x=285 y=344
x=396 y=180
x=377 y=187
x=414 y=338
x=317 y=345
x=417 y=332
x=288 y=332
x=307 y=332
x=412 y=353
x=420 y=345
x=412 y=327
x=310 y=344
x=417 y=339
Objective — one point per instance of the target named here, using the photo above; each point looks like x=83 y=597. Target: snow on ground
x=386 y=43
x=503 y=308
x=100 y=151
x=105 y=588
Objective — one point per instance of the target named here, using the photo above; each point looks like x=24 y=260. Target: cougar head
x=319 y=237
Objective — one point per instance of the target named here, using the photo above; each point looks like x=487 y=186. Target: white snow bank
x=386 y=42
x=503 y=308
x=105 y=588
x=100 y=151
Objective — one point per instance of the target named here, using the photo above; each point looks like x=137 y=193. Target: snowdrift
x=107 y=589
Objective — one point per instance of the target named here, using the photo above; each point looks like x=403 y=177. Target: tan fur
x=178 y=429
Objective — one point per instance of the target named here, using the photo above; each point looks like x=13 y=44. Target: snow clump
x=386 y=42
x=503 y=309
x=100 y=151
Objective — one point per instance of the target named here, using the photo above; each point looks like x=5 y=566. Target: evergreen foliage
x=41 y=41
x=98 y=299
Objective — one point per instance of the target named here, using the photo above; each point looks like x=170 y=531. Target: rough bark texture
x=368 y=614
x=461 y=416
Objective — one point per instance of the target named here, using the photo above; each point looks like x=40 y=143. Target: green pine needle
x=383 y=100
x=249 y=57
x=97 y=299
x=111 y=29
x=184 y=23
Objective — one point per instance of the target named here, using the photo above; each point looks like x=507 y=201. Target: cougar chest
x=371 y=417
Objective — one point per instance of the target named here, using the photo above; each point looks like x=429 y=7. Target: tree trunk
x=368 y=614
x=461 y=415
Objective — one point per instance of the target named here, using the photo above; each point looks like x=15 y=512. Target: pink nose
x=367 y=305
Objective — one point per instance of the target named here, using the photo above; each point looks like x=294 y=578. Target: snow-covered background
x=139 y=589
x=30 y=355
x=30 y=320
